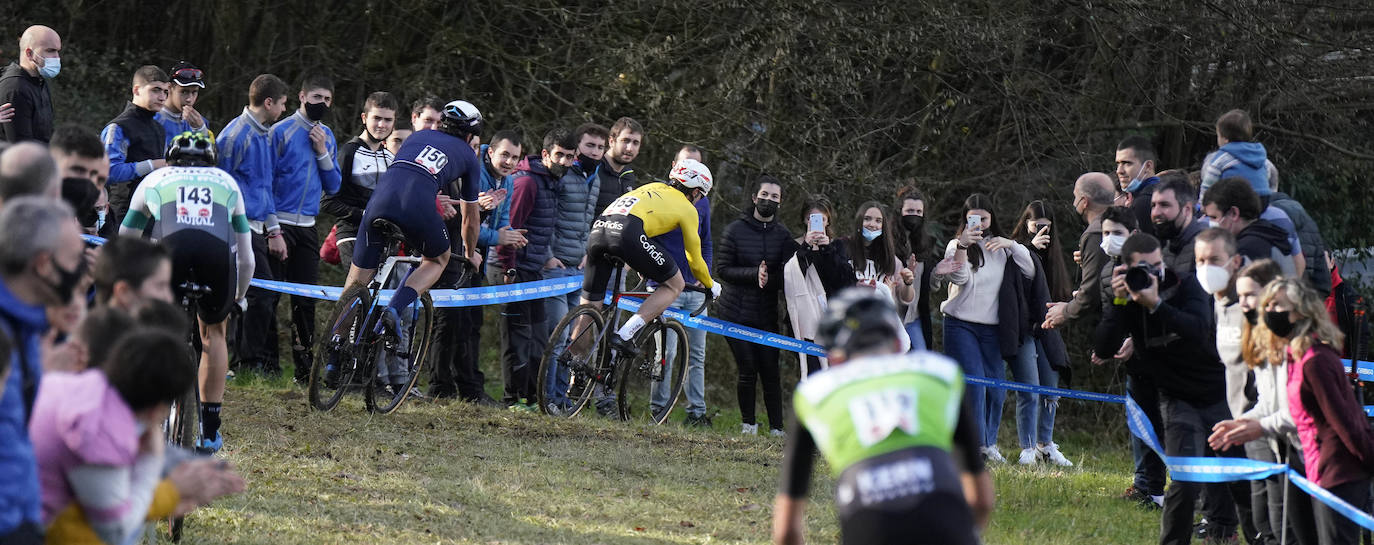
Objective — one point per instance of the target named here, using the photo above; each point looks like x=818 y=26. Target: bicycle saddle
x=388 y=230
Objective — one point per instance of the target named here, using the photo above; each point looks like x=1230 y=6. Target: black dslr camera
x=1138 y=276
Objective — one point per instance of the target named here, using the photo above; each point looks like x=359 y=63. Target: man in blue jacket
x=134 y=141
x=456 y=371
x=304 y=167
x=245 y=152
x=179 y=114
x=689 y=301
x=41 y=262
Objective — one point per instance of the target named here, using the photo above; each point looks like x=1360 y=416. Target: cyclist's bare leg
x=662 y=296
x=214 y=361
x=424 y=276
x=359 y=275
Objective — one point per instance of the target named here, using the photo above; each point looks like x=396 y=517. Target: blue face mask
x=1134 y=186
x=870 y=234
x=50 y=67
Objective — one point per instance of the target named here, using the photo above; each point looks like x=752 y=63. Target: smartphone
x=817 y=223
x=975 y=223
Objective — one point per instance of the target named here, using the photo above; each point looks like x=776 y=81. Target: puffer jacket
x=1238 y=160
x=611 y=185
x=1313 y=246
x=533 y=207
x=748 y=242
x=577 y=197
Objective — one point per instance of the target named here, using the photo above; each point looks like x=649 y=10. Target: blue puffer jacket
x=299 y=180
x=533 y=207
x=1237 y=160
x=19 y=495
x=577 y=196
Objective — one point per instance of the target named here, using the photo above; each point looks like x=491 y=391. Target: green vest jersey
x=179 y=198
x=872 y=406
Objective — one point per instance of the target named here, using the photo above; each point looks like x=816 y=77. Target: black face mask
x=316 y=111
x=1252 y=316
x=766 y=208
x=586 y=163
x=913 y=223
x=1167 y=231
x=67 y=279
x=1278 y=322
x=557 y=170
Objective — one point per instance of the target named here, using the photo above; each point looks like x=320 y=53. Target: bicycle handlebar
x=704 y=304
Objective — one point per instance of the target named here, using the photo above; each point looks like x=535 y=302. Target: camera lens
x=1138 y=277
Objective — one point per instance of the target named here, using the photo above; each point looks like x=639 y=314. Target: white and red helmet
x=691 y=173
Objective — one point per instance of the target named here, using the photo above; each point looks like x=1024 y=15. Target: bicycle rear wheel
x=339 y=354
x=566 y=380
x=403 y=357
x=648 y=386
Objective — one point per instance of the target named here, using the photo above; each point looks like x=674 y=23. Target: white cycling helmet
x=691 y=173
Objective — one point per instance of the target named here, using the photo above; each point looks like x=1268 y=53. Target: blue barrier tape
x=491 y=295
x=1217 y=470
x=465 y=297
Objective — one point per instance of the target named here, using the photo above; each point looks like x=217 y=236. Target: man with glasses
x=134 y=140
x=179 y=114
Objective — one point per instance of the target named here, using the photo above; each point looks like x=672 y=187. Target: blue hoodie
x=1237 y=160
x=245 y=152
x=500 y=217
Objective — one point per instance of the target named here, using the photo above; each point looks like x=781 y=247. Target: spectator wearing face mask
x=1169 y=320
x=916 y=247
x=1337 y=444
x=749 y=264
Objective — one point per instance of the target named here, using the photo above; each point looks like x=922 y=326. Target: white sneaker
x=1051 y=453
x=777 y=433
x=992 y=455
x=1029 y=456
x=749 y=429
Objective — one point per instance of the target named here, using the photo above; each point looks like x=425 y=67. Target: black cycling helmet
x=460 y=118
x=191 y=149
x=858 y=319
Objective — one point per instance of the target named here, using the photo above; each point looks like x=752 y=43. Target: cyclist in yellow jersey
x=625 y=230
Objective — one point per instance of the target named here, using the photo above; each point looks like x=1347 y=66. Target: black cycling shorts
x=622 y=237
x=407 y=201
x=909 y=496
x=202 y=258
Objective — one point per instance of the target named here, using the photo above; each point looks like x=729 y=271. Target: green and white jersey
x=872 y=406
x=178 y=198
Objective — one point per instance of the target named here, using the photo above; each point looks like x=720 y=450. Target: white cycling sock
x=631 y=327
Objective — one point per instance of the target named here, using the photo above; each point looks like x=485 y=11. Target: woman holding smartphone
x=1042 y=351
x=873 y=254
x=976 y=264
x=819 y=270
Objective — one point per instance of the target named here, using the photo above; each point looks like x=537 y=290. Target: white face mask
x=1213 y=278
x=1112 y=244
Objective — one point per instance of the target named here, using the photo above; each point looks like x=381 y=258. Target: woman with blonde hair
x=1337 y=445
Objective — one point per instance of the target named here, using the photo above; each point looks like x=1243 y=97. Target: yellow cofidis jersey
x=663 y=209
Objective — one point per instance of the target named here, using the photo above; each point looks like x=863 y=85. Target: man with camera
x=1169 y=319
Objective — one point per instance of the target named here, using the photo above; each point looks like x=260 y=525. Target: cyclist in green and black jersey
x=891 y=426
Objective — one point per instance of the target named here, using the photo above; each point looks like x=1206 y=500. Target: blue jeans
x=555 y=308
x=918 y=339
x=976 y=349
x=1034 y=412
x=1049 y=405
x=696 y=361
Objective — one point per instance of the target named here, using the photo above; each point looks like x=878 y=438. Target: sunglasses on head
x=188 y=73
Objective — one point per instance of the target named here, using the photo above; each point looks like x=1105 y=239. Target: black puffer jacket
x=746 y=243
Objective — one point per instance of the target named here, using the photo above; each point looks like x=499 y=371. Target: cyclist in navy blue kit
x=430 y=161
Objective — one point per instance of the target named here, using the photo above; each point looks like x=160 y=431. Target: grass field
x=457 y=473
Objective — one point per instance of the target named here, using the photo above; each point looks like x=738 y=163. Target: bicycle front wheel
x=567 y=377
x=648 y=386
x=339 y=354
x=399 y=361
